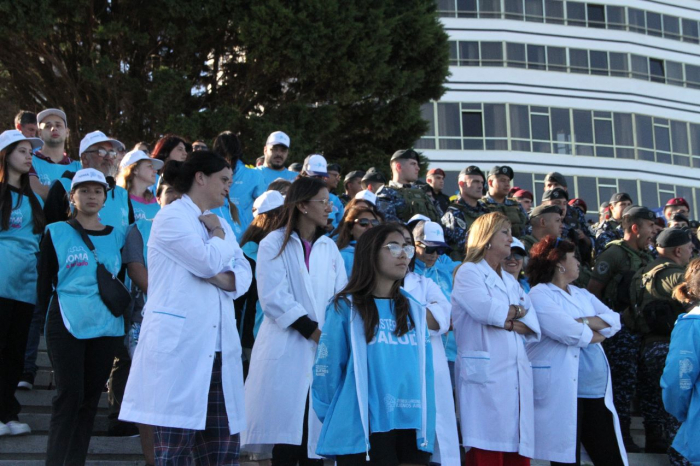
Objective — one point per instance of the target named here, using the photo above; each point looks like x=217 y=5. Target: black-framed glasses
x=432 y=249
x=365 y=222
x=516 y=256
x=396 y=250
x=103 y=153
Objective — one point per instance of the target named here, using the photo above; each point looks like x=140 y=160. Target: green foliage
x=344 y=78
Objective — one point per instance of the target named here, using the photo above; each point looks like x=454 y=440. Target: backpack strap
x=83 y=234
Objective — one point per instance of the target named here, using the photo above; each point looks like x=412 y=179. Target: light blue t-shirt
x=248 y=184
x=348 y=255
x=337 y=210
x=592 y=372
x=270 y=175
x=394 y=395
x=146 y=211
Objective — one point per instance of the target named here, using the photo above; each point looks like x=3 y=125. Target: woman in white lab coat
x=186 y=375
x=492 y=320
x=570 y=371
x=430 y=295
x=299 y=271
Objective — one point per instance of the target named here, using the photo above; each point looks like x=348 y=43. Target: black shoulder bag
x=114 y=294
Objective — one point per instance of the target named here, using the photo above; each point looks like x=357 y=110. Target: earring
x=306 y=212
x=561 y=269
x=488 y=246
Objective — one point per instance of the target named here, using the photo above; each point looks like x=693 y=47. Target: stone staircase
x=30 y=450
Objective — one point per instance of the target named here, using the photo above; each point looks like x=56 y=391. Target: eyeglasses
x=517 y=257
x=325 y=202
x=365 y=222
x=396 y=250
x=103 y=153
x=432 y=249
x=199 y=147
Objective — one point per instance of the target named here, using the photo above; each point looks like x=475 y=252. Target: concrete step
x=42 y=398
x=42 y=360
x=39 y=422
x=100 y=446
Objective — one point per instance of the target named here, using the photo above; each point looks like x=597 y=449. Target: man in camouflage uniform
x=610 y=229
x=610 y=282
x=401 y=199
x=461 y=214
x=545 y=220
x=652 y=290
x=497 y=199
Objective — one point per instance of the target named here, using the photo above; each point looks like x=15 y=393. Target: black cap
x=374 y=175
x=502 y=170
x=635 y=211
x=472 y=170
x=556 y=193
x=333 y=167
x=545 y=209
x=673 y=237
x=556 y=177
x=353 y=174
x=680 y=218
x=406 y=154
x=619 y=197
x=296 y=167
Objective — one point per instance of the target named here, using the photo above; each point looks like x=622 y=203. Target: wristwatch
x=585 y=321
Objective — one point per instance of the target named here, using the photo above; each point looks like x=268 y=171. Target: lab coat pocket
x=476 y=366
x=541 y=375
x=167 y=328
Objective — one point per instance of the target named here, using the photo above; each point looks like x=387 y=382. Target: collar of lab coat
x=568 y=296
x=491 y=277
x=187 y=200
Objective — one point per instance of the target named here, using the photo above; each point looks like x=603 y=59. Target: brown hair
x=302 y=190
x=126 y=179
x=544 y=257
x=363 y=279
x=25 y=189
x=688 y=292
x=261 y=225
x=345 y=226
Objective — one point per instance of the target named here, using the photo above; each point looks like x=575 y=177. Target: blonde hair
x=126 y=176
x=688 y=292
x=480 y=234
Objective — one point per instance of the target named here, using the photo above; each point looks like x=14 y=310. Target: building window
x=599 y=63
x=674 y=73
x=624 y=135
x=556 y=59
x=645 y=137
x=654 y=24
x=672 y=29
x=576 y=13
x=640 y=67
x=492 y=54
x=519 y=128
x=692 y=76
x=561 y=131
x=583 y=132
x=466 y=8
x=636 y=20
x=618 y=64
x=616 y=17
x=454 y=55
x=602 y=122
x=662 y=140
x=534 y=11
x=536 y=58
x=578 y=60
x=516 y=55
x=469 y=53
x=690 y=31
x=656 y=70
x=496 y=127
x=472 y=130
x=554 y=11
x=514 y=9
x=596 y=15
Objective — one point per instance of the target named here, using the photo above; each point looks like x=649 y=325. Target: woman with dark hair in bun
x=186 y=377
x=569 y=367
x=681 y=379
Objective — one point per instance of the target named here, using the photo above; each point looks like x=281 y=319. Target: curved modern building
x=607 y=93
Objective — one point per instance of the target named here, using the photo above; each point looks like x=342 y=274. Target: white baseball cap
x=278 y=137
x=517 y=244
x=97 y=137
x=88 y=175
x=269 y=200
x=51 y=111
x=417 y=218
x=12 y=136
x=135 y=156
x=366 y=195
x=433 y=235
x=315 y=165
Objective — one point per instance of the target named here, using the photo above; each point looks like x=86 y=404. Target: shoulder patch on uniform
x=462 y=224
x=602 y=268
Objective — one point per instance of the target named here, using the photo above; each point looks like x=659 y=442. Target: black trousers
x=290 y=455
x=596 y=432
x=15 y=317
x=81 y=369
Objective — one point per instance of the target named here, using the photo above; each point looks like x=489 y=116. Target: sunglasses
x=432 y=249
x=517 y=257
x=365 y=222
x=102 y=153
x=396 y=250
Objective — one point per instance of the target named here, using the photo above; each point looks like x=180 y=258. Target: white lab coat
x=279 y=377
x=428 y=293
x=171 y=370
x=494 y=381
x=555 y=360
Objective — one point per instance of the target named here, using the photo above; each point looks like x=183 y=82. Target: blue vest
x=144 y=211
x=84 y=313
x=348 y=255
x=49 y=172
x=270 y=175
x=115 y=212
x=19 y=246
x=248 y=184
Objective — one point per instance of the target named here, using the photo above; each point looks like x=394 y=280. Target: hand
x=316 y=336
x=520 y=328
x=210 y=221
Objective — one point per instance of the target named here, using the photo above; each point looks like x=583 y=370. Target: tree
x=342 y=77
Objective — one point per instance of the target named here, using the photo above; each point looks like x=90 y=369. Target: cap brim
x=518 y=248
x=106 y=185
x=310 y=173
x=435 y=244
x=157 y=163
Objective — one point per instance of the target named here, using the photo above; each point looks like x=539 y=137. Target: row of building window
x=551 y=130
x=596 y=190
x=576 y=14
x=574 y=60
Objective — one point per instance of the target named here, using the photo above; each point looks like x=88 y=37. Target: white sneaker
x=18 y=428
x=4 y=429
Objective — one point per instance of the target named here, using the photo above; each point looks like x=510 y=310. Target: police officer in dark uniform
x=610 y=229
x=352 y=184
x=400 y=199
x=652 y=314
x=497 y=199
x=610 y=282
x=464 y=211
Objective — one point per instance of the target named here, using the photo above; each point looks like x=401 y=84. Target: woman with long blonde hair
x=492 y=319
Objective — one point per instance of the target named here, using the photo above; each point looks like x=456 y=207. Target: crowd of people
x=234 y=308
